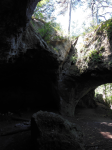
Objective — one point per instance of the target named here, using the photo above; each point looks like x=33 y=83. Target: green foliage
x=37 y=12
x=45 y=31
x=109 y=98
x=98 y=40
x=32 y=23
x=58 y=37
x=42 y=2
x=101 y=48
x=110 y=63
x=107 y=27
x=49 y=31
x=44 y=10
x=106 y=91
x=55 y=49
x=41 y=13
x=89 y=29
x=74 y=59
x=74 y=37
x=95 y=55
x=57 y=26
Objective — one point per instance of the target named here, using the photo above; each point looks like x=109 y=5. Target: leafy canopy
x=44 y=10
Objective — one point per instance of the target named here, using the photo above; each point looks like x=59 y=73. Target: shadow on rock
x=49 y=131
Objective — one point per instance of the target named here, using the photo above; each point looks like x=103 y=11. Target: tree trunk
x=92 y=11
x=97 y=15
x=69 y=10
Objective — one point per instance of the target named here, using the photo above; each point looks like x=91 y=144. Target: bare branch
x=106 y=13
x=103 y=17
x=105 y=6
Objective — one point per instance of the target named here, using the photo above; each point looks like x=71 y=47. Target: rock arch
x=88 y=65
x=69 y=74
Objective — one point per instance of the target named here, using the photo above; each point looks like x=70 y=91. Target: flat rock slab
x=50 y=131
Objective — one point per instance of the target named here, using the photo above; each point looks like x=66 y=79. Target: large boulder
x=51 y=131
x=99 y=98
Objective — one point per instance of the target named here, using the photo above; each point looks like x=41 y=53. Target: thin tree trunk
x=92 y=11
x=97 y=15
x=69 y=10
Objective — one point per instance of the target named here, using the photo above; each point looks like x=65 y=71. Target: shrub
x=107 y=27
x=45 y=31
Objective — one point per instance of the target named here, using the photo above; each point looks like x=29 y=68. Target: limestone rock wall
x=55 y=74
x=88 y=101
x=29 y=73
x=24 y=79
x=15 y=17
x=87 y=66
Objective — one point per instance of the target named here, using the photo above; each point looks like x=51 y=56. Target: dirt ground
x=95 y=123
x=96 y=126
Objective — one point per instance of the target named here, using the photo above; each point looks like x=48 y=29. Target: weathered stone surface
x=99 y=98
x=25 y=79
x=27 y=62
x=88 y=101
x=51 y=131
x=87 y=66
x=35 y=68
x=59 y=43
x=29 y=77
x=15 y=16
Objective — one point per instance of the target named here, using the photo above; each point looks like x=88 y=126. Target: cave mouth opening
x=97 y=101
x=24 y=88
x=103 y=94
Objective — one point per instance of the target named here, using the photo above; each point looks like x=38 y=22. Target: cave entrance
x=103 y=94
x=97 y=102
x=96 y=122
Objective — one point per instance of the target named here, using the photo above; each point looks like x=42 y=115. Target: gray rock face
x=25 y=78
x=15 y=16
x=99 y=98
x=88 y=101
x=29 y=77
x=50 y=131
x=87 y=66
x=27 y=63
x=35 y=68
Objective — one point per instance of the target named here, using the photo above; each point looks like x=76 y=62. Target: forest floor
x=95 y=123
